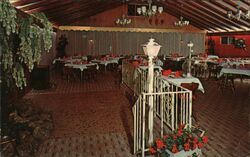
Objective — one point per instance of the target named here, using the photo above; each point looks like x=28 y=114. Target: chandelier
x=123 y=21
x=150 y=11
x=238 y=14
x=181 y=22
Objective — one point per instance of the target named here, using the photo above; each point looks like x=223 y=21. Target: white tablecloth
x=80 y=66
x=180 y=80
x=237 y=63
x=115 y=60
x=175 y=58
x=69 y=60
x=143 y=67
x=234 y=71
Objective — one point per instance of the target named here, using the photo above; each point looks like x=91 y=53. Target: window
x=227 y=40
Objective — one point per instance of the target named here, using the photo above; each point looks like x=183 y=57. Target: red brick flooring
x=94 y=118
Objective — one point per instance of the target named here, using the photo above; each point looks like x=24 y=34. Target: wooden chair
x=191 y=86
x=91 y=72
x=67 y=73
x=226 y=82
x=213 y=70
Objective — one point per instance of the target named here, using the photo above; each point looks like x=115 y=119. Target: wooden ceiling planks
x=79 y=16
x=215 y=15
x=194 y=23
x=221 y=14
x=204 y=14
x=187 y=14
x=197 y=13
x=224 y=8
x=211 y=15
x=197 y=23
x=247 y=2
x=75 y=8
x=45 y=5
x=24 y=2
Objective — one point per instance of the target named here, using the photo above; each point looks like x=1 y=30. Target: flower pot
x=185 y=153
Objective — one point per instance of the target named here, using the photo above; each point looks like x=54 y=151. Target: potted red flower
x=181 y=143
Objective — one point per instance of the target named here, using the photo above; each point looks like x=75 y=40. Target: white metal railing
x=172 y=105
x=171 y=108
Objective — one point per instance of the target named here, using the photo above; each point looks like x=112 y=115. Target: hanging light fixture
x=123 y=20
x=239 y=14
x=151 y=10
x=181 y=22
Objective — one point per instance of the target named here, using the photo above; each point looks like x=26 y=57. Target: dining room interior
x=125 y=78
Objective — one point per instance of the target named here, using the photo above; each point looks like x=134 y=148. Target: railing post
x=151 y=104
x=143 y=123
x=190 y=109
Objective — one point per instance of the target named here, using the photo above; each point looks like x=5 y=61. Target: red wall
x=224 y=50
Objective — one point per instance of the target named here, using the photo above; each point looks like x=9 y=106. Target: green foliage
x=47 y=31
x=8 y=17
x=21 y=45
x=30 y=46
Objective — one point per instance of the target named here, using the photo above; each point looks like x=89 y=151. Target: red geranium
x=183 y=139
x=205 y=139
x=152 y=150
x=199 y=145
x=160 y=144
x=194 y=145
x=186 y=146
x=174 y=149
x=165 y=137
x=175 y=137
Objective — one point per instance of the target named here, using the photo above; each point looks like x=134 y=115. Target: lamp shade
x=190 y=44
x=152 y=48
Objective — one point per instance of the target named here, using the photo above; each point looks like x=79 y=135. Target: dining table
x=184 y=79
x=234 y=71
x=81 y=67
x=145 y=67
x=107 y=61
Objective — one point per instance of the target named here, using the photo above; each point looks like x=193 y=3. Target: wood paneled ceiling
x=210 y=15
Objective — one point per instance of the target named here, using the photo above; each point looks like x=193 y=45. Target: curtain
x=99 y=43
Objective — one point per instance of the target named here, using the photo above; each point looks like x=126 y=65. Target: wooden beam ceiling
x=186 y=9
x=210 y=15
x=222 y=8
x=82 y=15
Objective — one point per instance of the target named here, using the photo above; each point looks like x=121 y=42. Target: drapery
x=98 y=42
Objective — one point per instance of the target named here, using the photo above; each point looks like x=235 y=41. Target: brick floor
x=94 y=118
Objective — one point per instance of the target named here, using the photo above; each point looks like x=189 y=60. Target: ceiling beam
x=32 y=5
x=192 y=17
x=24 y=2
x=82 y=9
x=246 y=2
x=52 y=6
x=218 y=14
x=172 y=11
x=202 y=15
x=45 y=4
x=235 y=5
x=224 y=10
x=74 y=8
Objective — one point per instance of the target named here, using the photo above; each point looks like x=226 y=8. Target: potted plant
x=63 y=42
x=181 y=143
